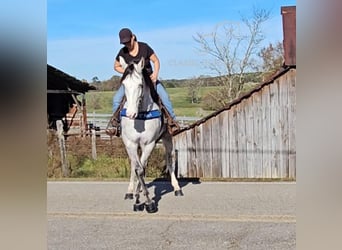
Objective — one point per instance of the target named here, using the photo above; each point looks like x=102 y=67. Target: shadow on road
x=163 y=186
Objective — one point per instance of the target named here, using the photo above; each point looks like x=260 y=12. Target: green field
x=101 y=102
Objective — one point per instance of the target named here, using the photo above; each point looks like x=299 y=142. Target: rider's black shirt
x=144 y=51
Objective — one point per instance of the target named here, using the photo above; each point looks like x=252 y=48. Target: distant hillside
x=113 y=83
x=208 y=81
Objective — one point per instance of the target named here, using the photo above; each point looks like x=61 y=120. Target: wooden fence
x=253 y=138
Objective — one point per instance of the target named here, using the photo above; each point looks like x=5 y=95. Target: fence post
x=93 y=144
x=61 y=141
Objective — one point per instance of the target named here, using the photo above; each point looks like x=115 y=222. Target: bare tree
x=272 y=59
x=233 y=47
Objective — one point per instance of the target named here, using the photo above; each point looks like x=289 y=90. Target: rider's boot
x=114 y=127
x=172 y=125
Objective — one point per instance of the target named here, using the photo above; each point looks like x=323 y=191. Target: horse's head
x=133 y=82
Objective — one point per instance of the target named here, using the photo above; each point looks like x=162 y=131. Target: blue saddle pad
x=145 y=115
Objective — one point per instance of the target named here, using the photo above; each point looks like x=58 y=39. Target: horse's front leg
x=132 y=151
x=129 y=194
x=146 y=151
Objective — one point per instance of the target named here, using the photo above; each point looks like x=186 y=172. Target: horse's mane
x=128 y=71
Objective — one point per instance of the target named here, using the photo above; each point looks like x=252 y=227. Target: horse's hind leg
x=167 y=141
x=149 y=204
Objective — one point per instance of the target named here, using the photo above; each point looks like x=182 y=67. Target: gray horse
x=142 y=126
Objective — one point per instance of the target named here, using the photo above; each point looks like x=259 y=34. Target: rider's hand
x=154 y=77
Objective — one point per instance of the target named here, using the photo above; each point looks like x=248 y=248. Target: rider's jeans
x=164 y=96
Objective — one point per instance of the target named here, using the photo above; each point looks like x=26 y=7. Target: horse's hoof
x=151 y=207
x=129 y=196
x=179 y=192
x=138 y=207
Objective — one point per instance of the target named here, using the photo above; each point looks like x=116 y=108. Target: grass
x=103 y=167
x=111 y=162
x=101 y=102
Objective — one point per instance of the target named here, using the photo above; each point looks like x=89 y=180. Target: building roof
x=58 y=80
x=239 y=100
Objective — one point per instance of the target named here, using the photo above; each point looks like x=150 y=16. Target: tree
x=97 y=83
x=194 y=86
x=95 y=79
x=233 y=49
x=272 y=57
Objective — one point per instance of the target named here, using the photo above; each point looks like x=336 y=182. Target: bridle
x=129 y=71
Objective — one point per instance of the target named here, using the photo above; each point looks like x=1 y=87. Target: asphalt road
x=210 y=215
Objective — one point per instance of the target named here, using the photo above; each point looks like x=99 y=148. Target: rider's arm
x=156 y=64
x=118 y=67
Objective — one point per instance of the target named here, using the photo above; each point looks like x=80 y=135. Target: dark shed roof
x=61 y=91
x=58 y=80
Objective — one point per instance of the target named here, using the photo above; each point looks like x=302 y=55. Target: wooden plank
x=191 y=153
x=180 y=155
x=250 y=146
x=266 y=138
x=207 y=149
x=199 y=151
x=216 y=147
x=292 y=123
x=184 y=151
x=257 y=135
x=233 y=143
x=275 y=138
x=224 y=143
x=188 y=146
x=284 y=126
x=242 y=145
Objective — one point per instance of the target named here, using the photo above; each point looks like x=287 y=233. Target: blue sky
x=82 y=35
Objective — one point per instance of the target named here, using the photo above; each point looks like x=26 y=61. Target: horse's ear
x=141 y=63
x=122 y=62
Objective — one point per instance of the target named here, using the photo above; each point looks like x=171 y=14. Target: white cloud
x=85 y=58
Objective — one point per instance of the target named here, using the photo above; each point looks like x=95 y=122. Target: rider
x=134 y=51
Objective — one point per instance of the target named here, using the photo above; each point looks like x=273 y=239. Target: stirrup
x=114 y=131
x=113 y=128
